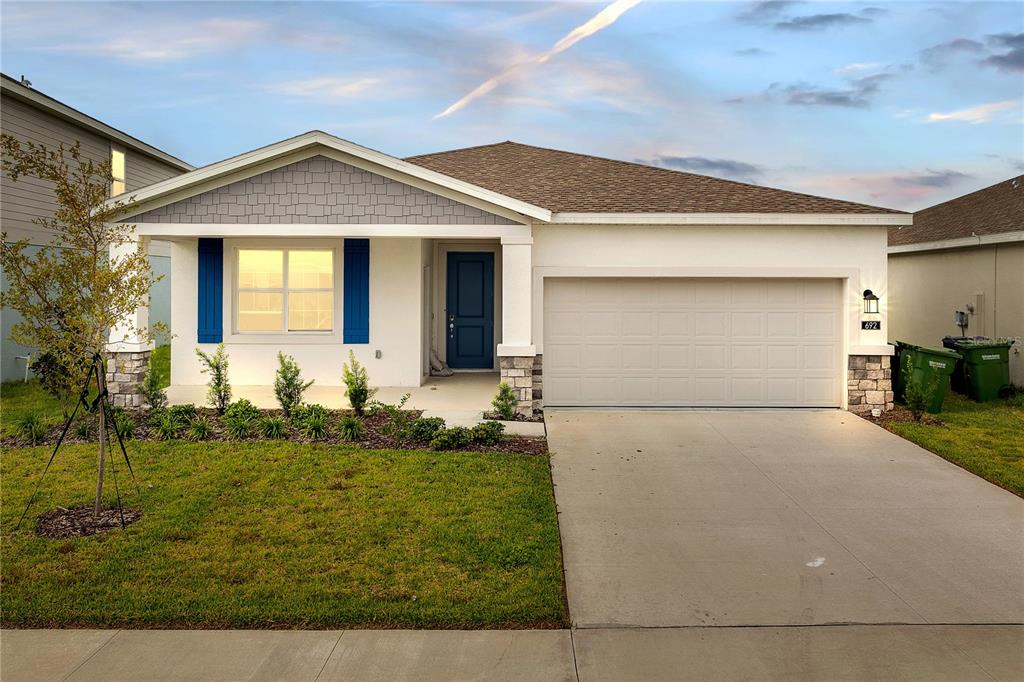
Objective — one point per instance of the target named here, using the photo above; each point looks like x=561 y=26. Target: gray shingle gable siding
x=320 y=190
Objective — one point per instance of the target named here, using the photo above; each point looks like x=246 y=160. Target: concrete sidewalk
x=891 y=652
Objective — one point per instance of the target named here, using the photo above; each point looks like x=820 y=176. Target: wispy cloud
x=857 y=68
x=762 y=12
x=726 y=168
x=977 y=114
x=606 y=17
x=936 y=56
x=170 y=42
x=820 y=22
x=752 y=52
x=857 y=94
x=1013 y=60
x=327 y=87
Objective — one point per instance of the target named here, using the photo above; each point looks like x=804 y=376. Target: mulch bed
x=79 y=522
x=900 y=414
x=537 y=416
x=376 y=437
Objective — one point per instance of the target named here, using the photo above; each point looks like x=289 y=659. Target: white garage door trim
x=694 y=342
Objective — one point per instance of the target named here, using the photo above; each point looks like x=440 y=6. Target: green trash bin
x=986 y=366
x=925 y=367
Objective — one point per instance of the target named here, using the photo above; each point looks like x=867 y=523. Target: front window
x=285 y=290
x=117 y=171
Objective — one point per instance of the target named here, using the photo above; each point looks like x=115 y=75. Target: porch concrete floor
x=465 y=393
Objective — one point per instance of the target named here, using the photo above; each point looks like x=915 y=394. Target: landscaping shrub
x=300 y=413
x=272 y=427
x=183 y=413
x=314 y=426
x=199 y=429
x=32 y=428
x=154 y=394
x=242 y=409
x=397 y=419
x=357 y=384
x=452 y=439
x=424 y=429
x=917 y=396
x=488 y=433
x=125 y=424
x=166 y=425
x=216 y=365
x=239 y=425
x=85 y=427
x=351 y=428
x=505 y=402
x=288 y=384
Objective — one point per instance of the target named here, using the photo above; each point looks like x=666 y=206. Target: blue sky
x=900 y=104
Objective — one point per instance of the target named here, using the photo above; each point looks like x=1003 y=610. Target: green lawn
x=284 y=535
x=987 y=439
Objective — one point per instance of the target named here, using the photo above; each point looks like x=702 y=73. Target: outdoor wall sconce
x=870 y=302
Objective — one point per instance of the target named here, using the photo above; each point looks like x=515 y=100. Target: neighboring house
x=636 y=285
x=966 y=255
x=29 y=115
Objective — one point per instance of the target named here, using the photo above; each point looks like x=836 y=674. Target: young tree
x=72 y=292
x=88 y=280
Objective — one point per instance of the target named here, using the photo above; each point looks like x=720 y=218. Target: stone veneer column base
x=517 y=372
x=869 y=383
x=125 y=372
x=538 y=383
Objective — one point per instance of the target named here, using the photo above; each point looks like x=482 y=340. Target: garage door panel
x=687 y=342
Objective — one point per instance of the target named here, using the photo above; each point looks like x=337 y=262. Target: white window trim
x=231 y=249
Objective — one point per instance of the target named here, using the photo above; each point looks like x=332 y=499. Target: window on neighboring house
x=117 y=171
x=285 y=290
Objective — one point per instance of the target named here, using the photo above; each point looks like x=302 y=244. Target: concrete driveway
x=775 y=518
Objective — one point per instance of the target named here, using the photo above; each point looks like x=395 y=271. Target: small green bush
x=85 y=427
x=505 y=402
x=288 y=384
x=488 y=433
x=32 y=428
x=917 y=396
x=424 y=429
x=357 y=384
x=125 y=424
x=239 y=426
x=166 y=425
x=351 y=428
x=152 y=392
x=273 y=428
x=242 y=409
x=183 y=413
x=452 y=439
x=199 y=429
x=300 y=413
x=397 y=419
x=219 y=389
x=314 y=426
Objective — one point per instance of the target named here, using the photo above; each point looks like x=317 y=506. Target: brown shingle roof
x=578 y=183
x=995 y=209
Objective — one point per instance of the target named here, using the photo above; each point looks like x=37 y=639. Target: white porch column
x=124 y=337
x=128 y=351
x=516 y=297
x=516 y=352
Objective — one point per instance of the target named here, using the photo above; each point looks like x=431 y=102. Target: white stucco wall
x=856 y=255
x=396 y=322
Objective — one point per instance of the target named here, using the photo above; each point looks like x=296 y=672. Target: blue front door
x=469 y=322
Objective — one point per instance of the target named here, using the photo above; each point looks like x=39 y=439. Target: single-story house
x=584 y=281
x=964 y=255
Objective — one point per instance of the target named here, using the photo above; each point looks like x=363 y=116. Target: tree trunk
x=103 y=450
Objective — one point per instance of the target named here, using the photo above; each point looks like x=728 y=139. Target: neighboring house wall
x=320 y=190
x=927 y=287
x=397 y=326
x=30 y=198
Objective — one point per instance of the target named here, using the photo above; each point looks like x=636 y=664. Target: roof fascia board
x=317 y=143
x=840 y=219
x=65 y=112
x=963 y=242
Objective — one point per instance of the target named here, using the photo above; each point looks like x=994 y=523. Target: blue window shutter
x=211 y=291
x=357 y=291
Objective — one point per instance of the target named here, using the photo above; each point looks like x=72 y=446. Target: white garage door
x=692 y=342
